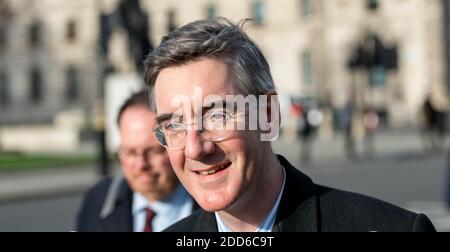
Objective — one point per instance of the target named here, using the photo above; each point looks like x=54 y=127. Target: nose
x=196 y=146
x=142 y=161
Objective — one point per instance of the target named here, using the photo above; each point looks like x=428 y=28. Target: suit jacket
x=119 y=220
x=307 y=207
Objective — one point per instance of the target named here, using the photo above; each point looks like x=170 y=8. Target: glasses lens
x=160 y=136
x=216 y=120
x=218 y=124
x=171 y=135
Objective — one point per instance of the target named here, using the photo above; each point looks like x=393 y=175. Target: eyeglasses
x=217 y=125
x=132 y=155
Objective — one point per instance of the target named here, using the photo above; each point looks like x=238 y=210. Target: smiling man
x=232 y=172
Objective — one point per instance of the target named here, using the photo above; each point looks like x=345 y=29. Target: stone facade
x=308 y=45
x=50 y=55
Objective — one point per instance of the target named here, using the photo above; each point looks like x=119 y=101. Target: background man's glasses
x=132 y=155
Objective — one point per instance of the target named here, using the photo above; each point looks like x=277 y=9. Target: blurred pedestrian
x=148 y=197
x=371 y=122
x=309 y=120
x=347 y=122
x=434 y=126
x=447 y=189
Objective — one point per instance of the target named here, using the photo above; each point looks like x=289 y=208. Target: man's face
x=145 y=164
x=199 y=165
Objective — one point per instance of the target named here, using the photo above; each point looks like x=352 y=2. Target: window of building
x=73 y=84
x=306 y=7
x=171 y=23
x=36 y=89
x=211 y=11
x=258 y=11
x=373 y=4
x=4 y=90
x=307 y=68
x=71 y=30
x=35 y=34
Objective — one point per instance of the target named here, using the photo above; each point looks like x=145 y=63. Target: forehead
x=135 y=116
x=175 y=86
x=136 y=128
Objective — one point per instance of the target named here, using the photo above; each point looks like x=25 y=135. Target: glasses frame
x=161 y=137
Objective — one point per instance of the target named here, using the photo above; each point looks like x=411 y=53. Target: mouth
x=150 y=177
x=214 y=169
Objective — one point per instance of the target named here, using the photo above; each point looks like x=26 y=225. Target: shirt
x=175 y=207
x=267 y=224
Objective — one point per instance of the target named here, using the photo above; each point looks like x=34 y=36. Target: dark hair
x=139 y=99
x=216 y=38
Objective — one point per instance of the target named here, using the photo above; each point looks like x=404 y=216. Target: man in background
x=148 y=197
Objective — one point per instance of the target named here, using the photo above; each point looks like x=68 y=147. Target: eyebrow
x=209 y=106
x=163 y=117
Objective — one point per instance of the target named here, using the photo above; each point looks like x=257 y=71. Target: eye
x=174 y=130
x=219 y=116
x=154 y=151
x=215 y=118
x=127 y=153
x=169 y=126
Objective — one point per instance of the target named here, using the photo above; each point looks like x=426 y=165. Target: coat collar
x=298 y=210
x=120 y=220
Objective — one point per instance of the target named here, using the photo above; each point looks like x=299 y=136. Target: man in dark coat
x=217 y=110
x=307 y=207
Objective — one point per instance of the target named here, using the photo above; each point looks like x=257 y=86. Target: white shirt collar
x=168 y=211
x=140 y=203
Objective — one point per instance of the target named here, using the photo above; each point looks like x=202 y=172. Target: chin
x=213 y=203
x=211 y=207
x=144 y=190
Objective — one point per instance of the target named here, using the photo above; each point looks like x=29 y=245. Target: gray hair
x=216 y=38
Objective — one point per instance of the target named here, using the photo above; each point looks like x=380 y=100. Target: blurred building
x=310 y=45
x=48 y=72
x=384 y=54
x=48 y=59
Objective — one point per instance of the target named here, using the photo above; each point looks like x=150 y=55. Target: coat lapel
x=120 y=220
x=298 y=210
x=206 y=222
